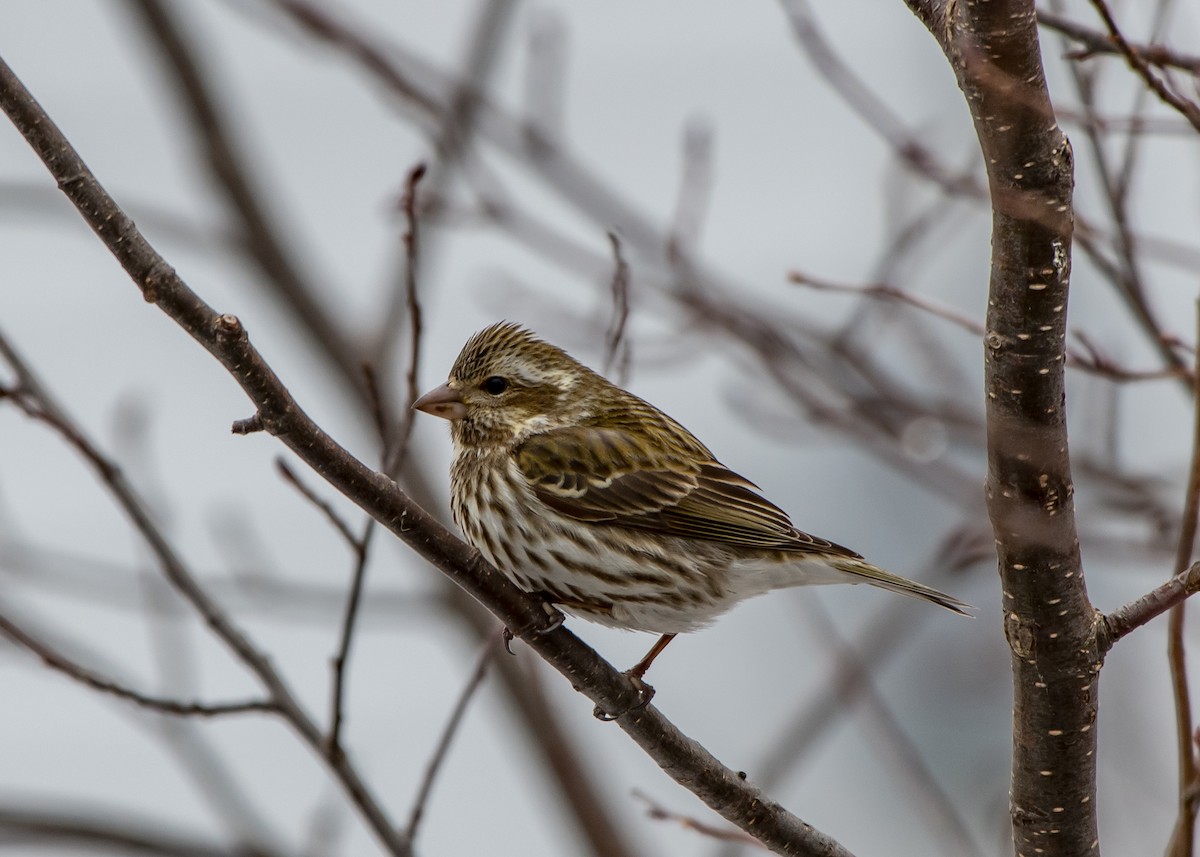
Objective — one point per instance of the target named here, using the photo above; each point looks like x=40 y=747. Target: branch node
x=228 y=326
x=249 y=425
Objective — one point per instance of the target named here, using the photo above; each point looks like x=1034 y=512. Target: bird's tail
x=863 y=571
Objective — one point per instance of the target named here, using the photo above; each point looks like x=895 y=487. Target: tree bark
x=1048 y=620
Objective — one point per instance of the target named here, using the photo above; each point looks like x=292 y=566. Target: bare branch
x=1095 y=42
x=1150 y=606
x=487 y=652
x=395 y=454
x=362 y=548
x=922 y=786
x=1189 y=109
x=172 y=566
x=260 y=238
x=1183 y=837
x=78 y=672
x=109 y=831
x=322 y=505
x=695 y=187
x=616 y=353
x=1093 y=362
x=725 y=834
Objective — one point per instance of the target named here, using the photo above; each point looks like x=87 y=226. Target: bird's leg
x=645 y=691
x=639 y=669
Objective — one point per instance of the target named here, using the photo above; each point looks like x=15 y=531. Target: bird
x=592 y=497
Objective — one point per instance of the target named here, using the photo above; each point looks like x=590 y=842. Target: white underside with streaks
x=616 y=576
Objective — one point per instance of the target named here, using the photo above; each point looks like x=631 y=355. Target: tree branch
x=1183 y=838
x=1153 y=604
x=78 y=672
x=176 y=571
x=487 y=652
x=1188 y=109
x=1095 y=42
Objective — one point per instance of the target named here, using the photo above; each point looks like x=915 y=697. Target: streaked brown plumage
x=578 y=489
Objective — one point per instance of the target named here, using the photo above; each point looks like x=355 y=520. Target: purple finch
x=579 y=490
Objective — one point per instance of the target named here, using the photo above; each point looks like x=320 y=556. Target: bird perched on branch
x=581 y=491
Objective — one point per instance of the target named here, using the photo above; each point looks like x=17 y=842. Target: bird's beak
x=444 y=402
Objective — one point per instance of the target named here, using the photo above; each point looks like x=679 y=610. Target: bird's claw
x=552 y=613
x=645 y=693
x=556 y=619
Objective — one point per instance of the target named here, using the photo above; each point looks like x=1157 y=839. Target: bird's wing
x=610 y=476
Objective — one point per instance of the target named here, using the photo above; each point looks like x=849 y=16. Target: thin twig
x=394 y=457
x=453 y=140
x=725 y=834
x=952 y=830
x=379 y=411
x=324 y=506
x=350 y=613
x=695 y=187
x=1141 y=67
x=883 y=291
x=170 y=563
x=616 y=354
x=911 y=149
x=110 y=831
x=1093 y=362
x=1183 y=836
x=1095 y=42
x=1153 y=604
x=236 y=182
x=164 y=705
x=487 y=652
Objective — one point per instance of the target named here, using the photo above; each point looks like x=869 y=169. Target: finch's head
x=507 y=384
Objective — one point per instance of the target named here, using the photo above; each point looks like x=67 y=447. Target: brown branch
x=922 y=787
x=260 y=239
x=171 y=564
x=1150 y=606
x=362 y=551
x=1114 y=186
x=108 y=832
x=395 y=452
x=360 y=546
x=225 y=338
x=911 y=149
x=1183 y=836
x=695 y=188
x=1095 y=42
x=322 y=505
x=616 y=348
x=164 y=705
x=724 y=834
x=1093 y=362
x=1188 y=109
x=994 y=52
x=487 y=652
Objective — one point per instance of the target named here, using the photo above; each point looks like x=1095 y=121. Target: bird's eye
x=494 y=385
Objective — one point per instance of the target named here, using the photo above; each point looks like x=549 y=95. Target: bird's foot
x=553 y=614
x=645 y=693
x=556 y=619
